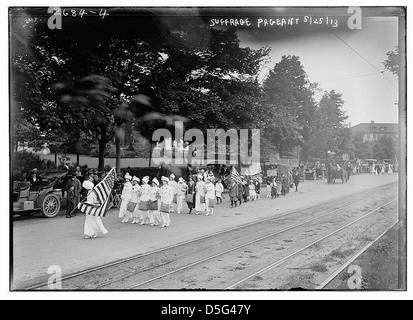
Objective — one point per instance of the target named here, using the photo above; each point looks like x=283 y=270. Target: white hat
x=165 y=179
x=181 y=179
x=128 y=176
x=135 y=178
x=145 y=179
x=88 y=185
x=172 y=176
x=155 y=181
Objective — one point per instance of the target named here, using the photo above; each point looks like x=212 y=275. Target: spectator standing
x=219 y=189
x=71 y=201
x=190 y=197
x=296 y=179
x=233 y=193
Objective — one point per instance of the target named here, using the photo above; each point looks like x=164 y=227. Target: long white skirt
x=200 y=207
x=123 y=212
x=93 y=226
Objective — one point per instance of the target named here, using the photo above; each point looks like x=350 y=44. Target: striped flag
x=235 y=175
x=102 y=191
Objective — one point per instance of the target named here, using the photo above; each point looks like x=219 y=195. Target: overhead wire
x=355 y=51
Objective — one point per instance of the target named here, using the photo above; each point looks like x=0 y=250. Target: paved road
x=40 y=243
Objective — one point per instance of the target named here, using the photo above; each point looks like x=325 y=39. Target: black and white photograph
x=207 y=149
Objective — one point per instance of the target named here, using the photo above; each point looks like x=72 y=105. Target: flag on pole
x=102 y=191
x=235 y=175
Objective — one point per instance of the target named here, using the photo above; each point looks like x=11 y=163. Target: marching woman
x=209 y=197
x=126 y=197
x=136 y=196
x=190 y=197
x=144 y=203
x=166 y=200
x=154 y=215
x=200 y=192
x=181 y=191
x=174 y=188
x=93 y=224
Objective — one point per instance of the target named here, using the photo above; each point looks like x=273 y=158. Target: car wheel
x=50 y=206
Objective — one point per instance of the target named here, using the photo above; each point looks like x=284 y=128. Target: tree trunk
x=150 y=155
x=102 y=147
x=77 y=158
x=117 y=142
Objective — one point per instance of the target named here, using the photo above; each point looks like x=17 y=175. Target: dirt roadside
x=377 y=267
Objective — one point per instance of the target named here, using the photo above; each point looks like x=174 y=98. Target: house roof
x=376 y=127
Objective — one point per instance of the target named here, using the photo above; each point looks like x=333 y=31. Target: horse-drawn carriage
x=333 y=173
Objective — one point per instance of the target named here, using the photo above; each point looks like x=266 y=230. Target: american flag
x=235 y=175
x=102 y=190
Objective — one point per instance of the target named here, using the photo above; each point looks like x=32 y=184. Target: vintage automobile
x=310 y=174
x=45 y=197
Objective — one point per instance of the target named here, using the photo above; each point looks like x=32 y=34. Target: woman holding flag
x=93 y=224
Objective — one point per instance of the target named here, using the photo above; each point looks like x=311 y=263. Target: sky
x=350 y=66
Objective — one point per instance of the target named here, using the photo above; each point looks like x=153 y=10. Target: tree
x=119 y=70
x=330 y=131
x=385 y=148
x=392 y=63
x=289 y=100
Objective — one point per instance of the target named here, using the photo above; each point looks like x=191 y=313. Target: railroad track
x=329 y=208
x=301 y=250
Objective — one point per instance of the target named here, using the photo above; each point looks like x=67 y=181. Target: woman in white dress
x=135 y=198
x=154 y=215
x=144 y=203
x=126 y=197
x=200 y=191
x=209 y=197
x=93 y=225
x=166 y=200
